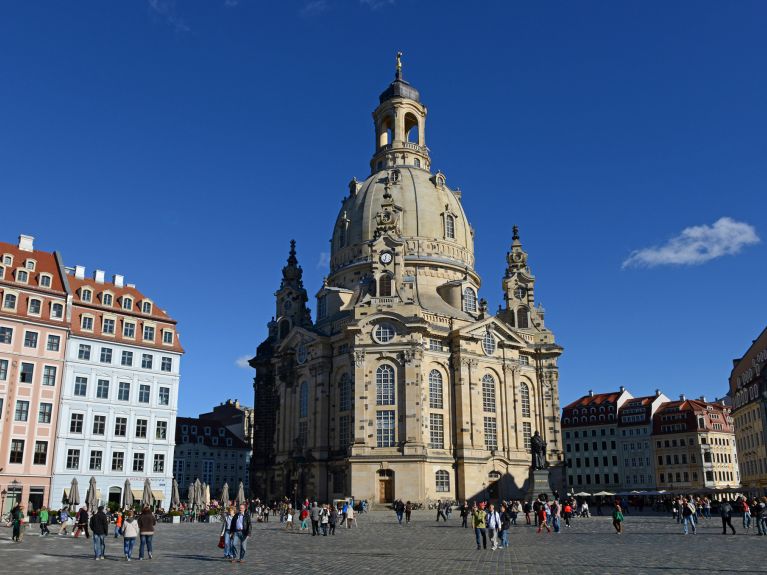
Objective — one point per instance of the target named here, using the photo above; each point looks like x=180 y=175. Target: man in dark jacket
x=240 y=531
x=314 y=515
x=82 y=522
x=726 y=513
x=100 y=527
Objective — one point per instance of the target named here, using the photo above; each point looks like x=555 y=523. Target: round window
x=488 y=343
x=301 y=354
x=383 y=333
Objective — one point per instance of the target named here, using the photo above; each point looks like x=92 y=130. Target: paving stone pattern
x=649 y=545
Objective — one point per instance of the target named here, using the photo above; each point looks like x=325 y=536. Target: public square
x=650 y=545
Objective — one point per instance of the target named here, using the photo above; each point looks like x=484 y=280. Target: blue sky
x=183 y=144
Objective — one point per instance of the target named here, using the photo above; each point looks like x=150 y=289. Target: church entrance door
x=385 y=485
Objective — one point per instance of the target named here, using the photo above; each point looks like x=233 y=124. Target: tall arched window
x=522 y=318
x=488 y=393
x=384 y=286
x=342 y=235
x=442 y=479
x=469 y=300
x=303 y=405
x=385 y=385
x=345 y=393
x=435 y=389
x=449 y=226
x=524 y=393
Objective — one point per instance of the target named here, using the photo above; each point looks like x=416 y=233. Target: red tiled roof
x=596 y=399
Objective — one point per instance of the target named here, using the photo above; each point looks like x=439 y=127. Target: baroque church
x=404 y=386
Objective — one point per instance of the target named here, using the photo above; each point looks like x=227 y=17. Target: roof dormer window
x=7 y=260
x=2 y=272
x=469 y=300
x=22 y=276
x=86 y=295
x=127 y=303
x=146 y=307
x=45 y=280
x=30 y=265
x=167 y=337
x=106 y=298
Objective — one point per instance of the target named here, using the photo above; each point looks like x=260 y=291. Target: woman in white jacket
x=130 y=532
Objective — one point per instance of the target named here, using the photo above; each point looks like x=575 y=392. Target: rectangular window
x=121 y=426
x=76 y=423
x=73 y=458
x=17 y=451
x=491 y=434
x=54 y=343
x=108 y=326
x=41 y=453
x=102 y=389
x=106 y=355
x=344 y=430
x=141 y=426
x=22 y=410
x=138 y=462
x=118 y=460
x=164 y=396
x=148 y=333
x=6 y=334
x=99 y=424
x=3 y=369
x=167 y=336
x=30 y=339
x=436 y=431
x=27 y=373
x=159 y=463
x=86 y=322
x=44 y=413
x=166 y=364
x=84 y=352
x=123 y=391
x=35 y=305
x=385 y=428
x=127 y=358
x=303 y=433
x=81 y=386
x=527 y=433
x=49 y=375
x=129 y=330
x=9 y=301
x=143 y=393
x=57 y=311
x=95 y=463
x=161 y=431
x=146 y=361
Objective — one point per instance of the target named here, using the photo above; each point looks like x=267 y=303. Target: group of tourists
x=691 y=511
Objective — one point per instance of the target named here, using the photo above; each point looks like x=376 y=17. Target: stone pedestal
x=539 y=484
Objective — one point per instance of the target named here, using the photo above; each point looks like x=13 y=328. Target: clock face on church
x=386 y=258
x=520 y=292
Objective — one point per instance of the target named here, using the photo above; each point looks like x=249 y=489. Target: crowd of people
x=690 y=512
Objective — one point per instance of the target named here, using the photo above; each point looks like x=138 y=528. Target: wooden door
x=385 y=490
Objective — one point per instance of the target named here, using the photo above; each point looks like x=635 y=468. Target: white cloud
x=243 y=361
x=376 y=4
x=314 y=8
x=167 y=10
x=324 y=260
x=697 y=245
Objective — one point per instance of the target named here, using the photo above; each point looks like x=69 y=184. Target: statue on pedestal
x=538 y=448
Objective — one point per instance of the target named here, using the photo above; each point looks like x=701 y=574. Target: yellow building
x=404 y=385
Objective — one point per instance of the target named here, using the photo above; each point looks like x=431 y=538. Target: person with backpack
x=688 y=515
x=130 y=532
x=725 y=510
x=618 y=519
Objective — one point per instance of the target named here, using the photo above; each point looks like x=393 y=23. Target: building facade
x=33 y=335
x=404 y=385
x=236 y=417
x=694 y=446
x=206 y=449
x=635 y=446
x=592 y=453
x=748 y=391
x=120 y=391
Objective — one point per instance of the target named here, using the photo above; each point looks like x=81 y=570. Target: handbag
x=221 y=542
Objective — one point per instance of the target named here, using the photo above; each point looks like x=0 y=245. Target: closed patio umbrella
x=206 y=495
x=146 y=497
x=190 y=496
x=240 y=494
x=74 y=494
x=197 y=493
x=128 y=500
x=91 y=498
x=225 y=495
x=175 y=498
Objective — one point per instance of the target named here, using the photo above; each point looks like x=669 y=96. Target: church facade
x=403 y=385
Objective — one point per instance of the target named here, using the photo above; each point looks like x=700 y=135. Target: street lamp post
x=3 y=493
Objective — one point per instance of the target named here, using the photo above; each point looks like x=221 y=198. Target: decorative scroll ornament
x=387 y=219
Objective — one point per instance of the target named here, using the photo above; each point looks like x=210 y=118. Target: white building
x=636 y=455
x=117 y=415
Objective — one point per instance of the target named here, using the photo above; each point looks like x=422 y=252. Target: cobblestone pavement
x=649 y=545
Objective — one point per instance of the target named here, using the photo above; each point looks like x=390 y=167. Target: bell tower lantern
x=400 y=126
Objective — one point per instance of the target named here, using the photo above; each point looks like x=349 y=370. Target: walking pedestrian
x=746 y=514
x=314 y=515
x=64 y=520
x=130 y=533
x=226 y=533
x=688 y=515
x=349 y=517
x=44 y=518
x=304 y=519
x=146 y=523
x=99 y=525
x=333 y=519
x=567 y=512
x=240 y=529
x=555 y=514
x=506 y=522
x=725 y=511
x=493 y=522
x=762 y=520
x=478 y=521
x=288 y=517
x=618 y=519
x=324 y=519
x=399 y=509
x=515 y=510
x=118 y=524
x=82 y=523
x=408 y=511
x=17 y=521
x=465 y=512
x=540 y=517
x=527 y=508
x=441 y=511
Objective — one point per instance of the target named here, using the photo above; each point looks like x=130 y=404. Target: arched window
x=385 y=132
x=524 y=393
x=449 y=227
x=469 y=300
x=435 y=389
x=384 y=286
x=411 y=129
x=342 y=235
x=303 y=404
x=345 y=393
x=384 y=333
x=488 y=393
x=385 y=385
x=442 y=480
x=522 y=318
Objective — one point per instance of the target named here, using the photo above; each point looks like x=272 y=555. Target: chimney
x=682 y=397
x=703 y=398
x=98 y=275
x=657 y=393
x=26 y=243
x=80 y=272
x=118 y=280
x=622 y=389
x=591 y=393
x=131 y=286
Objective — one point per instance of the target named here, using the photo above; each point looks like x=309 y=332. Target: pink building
x=34 y=325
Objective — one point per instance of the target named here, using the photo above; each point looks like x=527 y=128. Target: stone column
x=410 y=359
